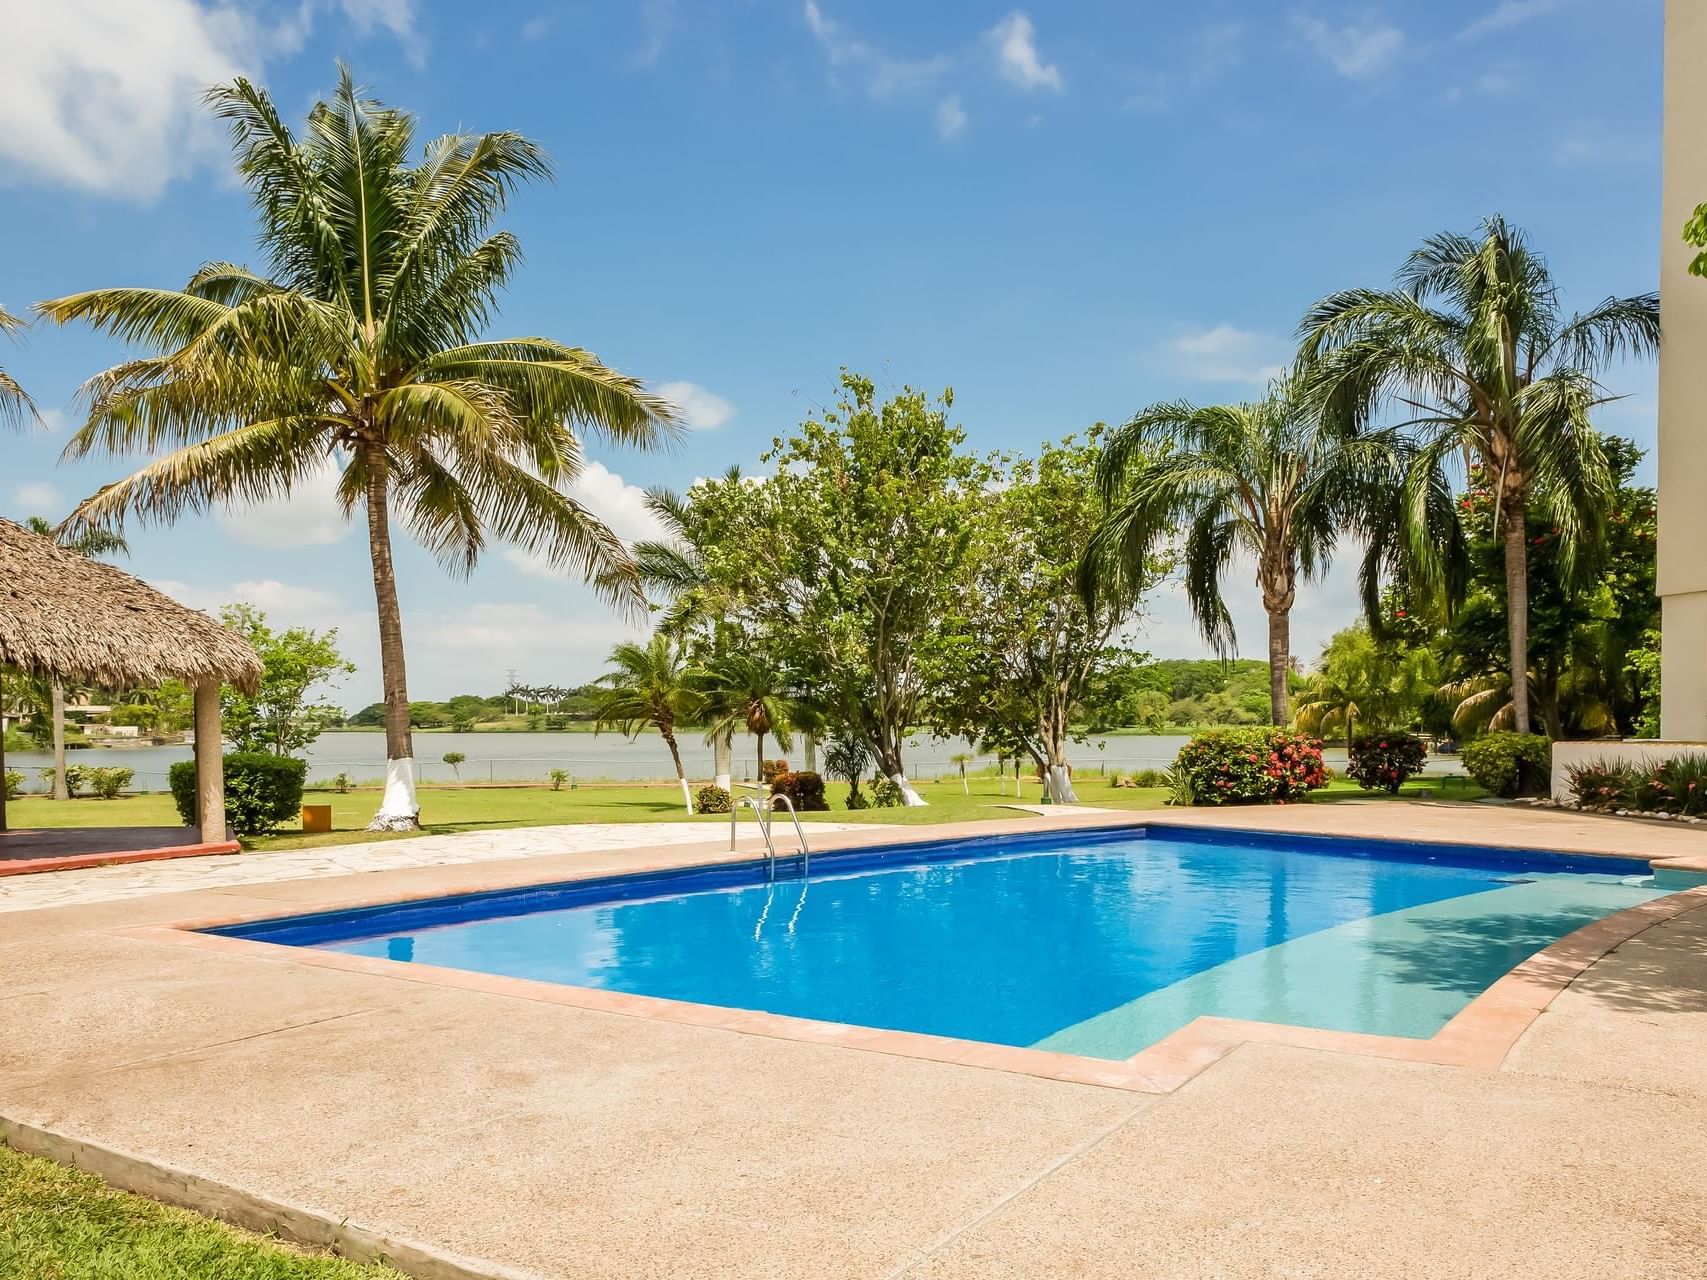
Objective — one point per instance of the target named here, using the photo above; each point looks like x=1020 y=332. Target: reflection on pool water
x=1095 y=943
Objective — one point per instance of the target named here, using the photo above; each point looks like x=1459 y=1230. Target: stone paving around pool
x=106 y=884
x=517 y=1137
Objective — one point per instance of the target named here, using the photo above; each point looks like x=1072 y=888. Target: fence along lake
x=587 y=757
x=531 y=757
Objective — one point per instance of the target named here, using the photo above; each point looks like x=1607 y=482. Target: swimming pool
x=1097 y=943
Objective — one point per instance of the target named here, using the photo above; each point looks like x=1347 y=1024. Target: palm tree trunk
x=681 y=773
x=1517 y=607
x=1279 y=663
x=722 y=767
x=760 y=776
x=398 y=810
x=61 y=784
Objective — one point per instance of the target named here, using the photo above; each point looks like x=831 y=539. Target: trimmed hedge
x=262 y=791
x=806 y=790
x=1249 y=766
x=1382 y=761
x=1511 y=764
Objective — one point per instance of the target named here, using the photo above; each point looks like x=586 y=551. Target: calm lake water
x=498 y=757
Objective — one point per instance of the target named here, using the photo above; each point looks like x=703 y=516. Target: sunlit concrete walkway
x=529 y=1138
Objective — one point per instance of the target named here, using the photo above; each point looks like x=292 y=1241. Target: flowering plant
x=1382 y=761
x=1251 y=766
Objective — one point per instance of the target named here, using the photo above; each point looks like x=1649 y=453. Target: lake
x=508 y=757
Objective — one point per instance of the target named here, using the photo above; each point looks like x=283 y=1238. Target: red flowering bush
x=1382 y=761
x=1251 y=766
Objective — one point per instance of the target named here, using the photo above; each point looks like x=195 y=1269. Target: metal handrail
x=763 y=809
x=799 y=832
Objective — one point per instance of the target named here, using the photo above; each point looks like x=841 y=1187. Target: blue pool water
x=1096 y=943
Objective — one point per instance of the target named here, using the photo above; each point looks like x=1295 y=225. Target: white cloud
x=1208 y=55
x=661 y=20
x=1357 y=51
x=503 y=632
x=309 y=517
x=621 y=505
x=951 y=117
x=701 y=409
x=105 y=95
x=282 y=598
x=534 y=28
x=884 y=74
x=1226 y=354
x=1017 y=58
x=1506 y=15
x=37 y=498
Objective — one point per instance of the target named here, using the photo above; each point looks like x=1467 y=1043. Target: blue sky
x=1065 y=212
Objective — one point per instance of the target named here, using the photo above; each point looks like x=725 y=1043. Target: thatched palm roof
x=65 y=616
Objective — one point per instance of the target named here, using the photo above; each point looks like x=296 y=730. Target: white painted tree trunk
x=687 y=795
x=723 y=760
x=1060 y=784
x=398 y=808
x=912 y=799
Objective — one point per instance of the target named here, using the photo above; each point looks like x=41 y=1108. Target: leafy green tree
x=744 y=688
x=1034 y=645
x=1588 y=622
x=1268 y=480
x=650 y=684
x=287 y=713
x=360 y=347
x=1473 y=352
x=455 y=760
x=1360 y=681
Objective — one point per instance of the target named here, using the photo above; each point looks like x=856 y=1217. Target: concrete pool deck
x=528 y=1137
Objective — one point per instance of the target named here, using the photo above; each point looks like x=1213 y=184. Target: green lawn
x=448 y=809
x=62 y=1224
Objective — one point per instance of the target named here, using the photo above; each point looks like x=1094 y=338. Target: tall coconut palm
x=16 y=407
x=743 y=689
x=649 y=684
x=359 y=348
x=1474 y=355
x=1267 y=480
x=85 y=541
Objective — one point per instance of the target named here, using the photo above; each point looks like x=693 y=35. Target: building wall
x=1683 y=383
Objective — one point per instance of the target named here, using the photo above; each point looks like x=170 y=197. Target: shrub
x=341 y=783
x=885 y=794
x=14 y=784
x=711 y=799
x=771 y=770
x=1180 y=793
x=1251 y=766
x=1511 y=764
x=110 y=783
x=806 y=790
x=261 y=790
x=1602 y=785
x=558 y=778
x=1382 y=761
x=75 y=776
x=1150 y=778
x=1680 y=784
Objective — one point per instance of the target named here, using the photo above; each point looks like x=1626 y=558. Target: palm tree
x=16 y=407
x=1266 y=479
x=86 y=541
x=359 y=348
x=673 y=568
x=744 y=688
x=648 y=684
x=1473 y=350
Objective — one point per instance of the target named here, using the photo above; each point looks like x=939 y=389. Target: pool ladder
x=764 y=807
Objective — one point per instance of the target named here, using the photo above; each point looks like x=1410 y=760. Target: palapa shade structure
x=67 y=617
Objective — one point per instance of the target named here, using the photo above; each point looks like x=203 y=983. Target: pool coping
x=1479 y=1036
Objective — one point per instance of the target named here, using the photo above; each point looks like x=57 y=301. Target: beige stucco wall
x=1683 y=382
